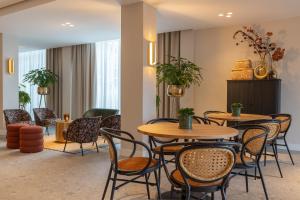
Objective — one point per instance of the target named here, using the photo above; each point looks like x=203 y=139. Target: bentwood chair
x=16 y=116
x=201 y=167
x=220 y=122
x=285 y=123
x=253 y=142
x=203 y=120
x=274 y=126
x=132 y=166
x=83 y=130
x=44 y=117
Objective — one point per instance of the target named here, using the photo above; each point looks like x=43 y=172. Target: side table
x=61 y=125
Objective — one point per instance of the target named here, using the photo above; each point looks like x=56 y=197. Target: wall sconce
x=152 y=59
x=10 y=66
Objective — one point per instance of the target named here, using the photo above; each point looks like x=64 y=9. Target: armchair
x=83 y=130
x=16 y=116
x=96 y=112
x=44 y=117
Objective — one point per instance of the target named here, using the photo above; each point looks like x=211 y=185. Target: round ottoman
x=12 y=135
x=31 y=139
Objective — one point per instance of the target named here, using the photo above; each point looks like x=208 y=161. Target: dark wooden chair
x=206 y=113
x=131 y=166
x=201 y=167
x=285 y=123
x=253 y=142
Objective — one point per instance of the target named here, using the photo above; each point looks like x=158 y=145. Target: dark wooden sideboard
x=257 y=96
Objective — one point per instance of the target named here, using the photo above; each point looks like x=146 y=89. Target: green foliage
x=24 y=97
x=185 y=112
x=41 y=77
x=179 y=72
x=236 y=105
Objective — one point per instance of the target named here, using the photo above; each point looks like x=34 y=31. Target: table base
x=176 y=195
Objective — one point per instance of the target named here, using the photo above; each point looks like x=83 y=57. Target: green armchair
x=96 y=112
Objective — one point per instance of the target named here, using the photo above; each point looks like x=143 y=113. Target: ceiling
x=96 y=20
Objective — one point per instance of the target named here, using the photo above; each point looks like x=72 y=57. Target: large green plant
x=24 y=98
x=41 y=77
x=180 y=71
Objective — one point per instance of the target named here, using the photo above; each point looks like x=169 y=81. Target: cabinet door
x=267 y=96
x=240 y=92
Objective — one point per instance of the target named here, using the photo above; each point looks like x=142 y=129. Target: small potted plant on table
x=185 y=116
x=236 y=109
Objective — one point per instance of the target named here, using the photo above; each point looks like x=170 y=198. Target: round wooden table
x=199 y=131
x=241 y=118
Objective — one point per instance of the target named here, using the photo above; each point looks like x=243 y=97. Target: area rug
x=72 y=147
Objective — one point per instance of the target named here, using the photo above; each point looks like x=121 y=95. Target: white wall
x=9 y=83
x=216 y=52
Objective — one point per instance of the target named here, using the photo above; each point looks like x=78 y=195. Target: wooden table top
x=241 y=118
x=199 y=131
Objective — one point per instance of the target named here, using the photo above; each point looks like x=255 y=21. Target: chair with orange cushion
x=131 y=166
x=201 y=167
x=13 y=135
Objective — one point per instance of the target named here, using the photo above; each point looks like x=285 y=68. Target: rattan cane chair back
x=206 y=113
x=285 y=121
x=206 y=164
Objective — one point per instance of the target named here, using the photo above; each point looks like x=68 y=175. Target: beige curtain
x=83 y=72
x=55 y=64
x=168 y=45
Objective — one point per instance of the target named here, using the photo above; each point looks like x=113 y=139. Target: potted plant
x=24 y=98
x=42 y=78
x=179 y=74
x=185 y=116
x=236 y=109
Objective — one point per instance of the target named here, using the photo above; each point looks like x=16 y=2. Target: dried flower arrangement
x=262 y=44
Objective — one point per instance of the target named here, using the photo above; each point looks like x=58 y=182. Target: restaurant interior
x=149 y=99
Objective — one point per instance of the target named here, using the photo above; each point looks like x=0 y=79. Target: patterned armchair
x=112 y=122
x=83 y=130
x=96 y=112
x=17 y=116
x=44 y=117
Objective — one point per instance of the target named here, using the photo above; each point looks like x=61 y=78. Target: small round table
x=61 y=125
x=199 y=131
x=241 y=118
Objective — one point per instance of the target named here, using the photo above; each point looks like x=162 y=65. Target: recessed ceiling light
x=221 y=15
x=68 y=24
x=228 y=16
x=229 y=13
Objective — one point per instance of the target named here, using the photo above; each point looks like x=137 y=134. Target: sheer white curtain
x=107 y=76
x=30 y=60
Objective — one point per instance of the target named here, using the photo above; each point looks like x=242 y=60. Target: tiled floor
x=53 y=175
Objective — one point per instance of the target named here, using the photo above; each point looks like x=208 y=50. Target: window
x=28 y=61
x=107 y=74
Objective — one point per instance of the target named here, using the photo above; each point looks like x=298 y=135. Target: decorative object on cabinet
x=267 y=50
x=257 y=96
x=242 y=70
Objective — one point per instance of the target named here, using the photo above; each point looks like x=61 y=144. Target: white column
x=138 y=27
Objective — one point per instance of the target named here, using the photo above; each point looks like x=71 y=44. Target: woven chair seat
x=239 y=161
x=135 y=164
x=177 y=177
x=168 y=149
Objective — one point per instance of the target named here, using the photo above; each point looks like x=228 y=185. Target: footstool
x=12 y=135
x=31 y=139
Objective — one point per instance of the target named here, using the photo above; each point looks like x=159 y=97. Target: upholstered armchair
x=83 y=130
x=17 y=116
x=44 y=117
x=113 y=122
x=96 y=112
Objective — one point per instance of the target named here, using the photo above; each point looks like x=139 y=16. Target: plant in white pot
x=43 y=78
x=179 y=74
x=185 y=116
